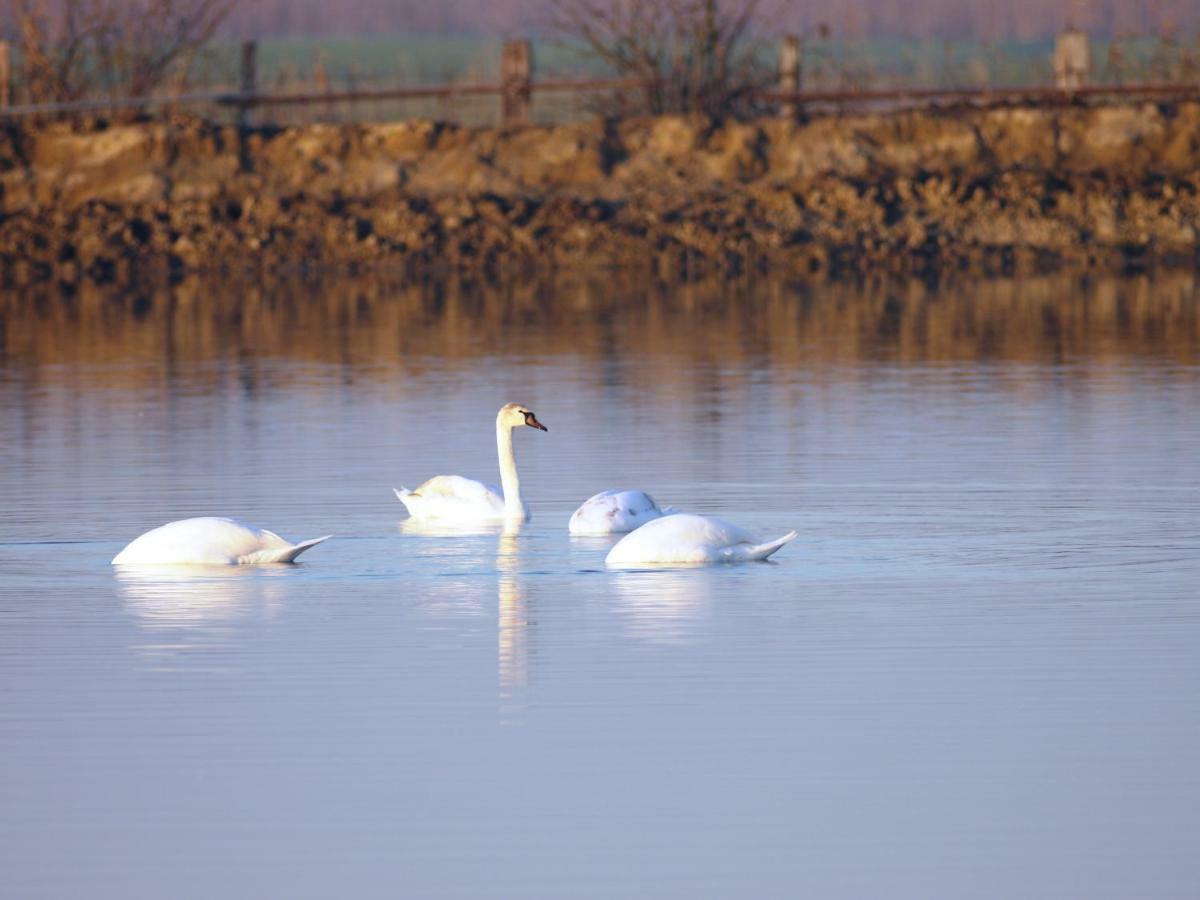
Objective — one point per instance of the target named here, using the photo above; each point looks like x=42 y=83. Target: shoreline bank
x=989 y=190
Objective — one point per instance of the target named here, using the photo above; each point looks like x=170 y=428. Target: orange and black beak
x=532 y=422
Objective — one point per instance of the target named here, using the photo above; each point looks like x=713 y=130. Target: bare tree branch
x=698 y=54
x=72 y=48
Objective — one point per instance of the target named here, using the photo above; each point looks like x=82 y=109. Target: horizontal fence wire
x=452 y=91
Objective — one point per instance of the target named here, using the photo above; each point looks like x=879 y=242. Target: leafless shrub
x=75 y=48
x=695 y=55
x=1164 y=54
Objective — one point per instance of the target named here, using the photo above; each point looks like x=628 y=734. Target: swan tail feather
x=281 y=554
x=403 y=494
x=762 y=551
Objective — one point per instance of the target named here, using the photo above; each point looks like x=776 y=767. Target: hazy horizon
x=1020 y=20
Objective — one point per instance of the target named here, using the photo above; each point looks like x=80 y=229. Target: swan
x=454 y=498
x=210 y=540
x=615 y=512
x=686 y=538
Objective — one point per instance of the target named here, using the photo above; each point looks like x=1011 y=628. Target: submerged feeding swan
x=458 y=499
x=615 y=512
x=684 y=538
x=213 y=541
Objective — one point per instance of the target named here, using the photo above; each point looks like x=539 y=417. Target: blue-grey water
x=975 y=674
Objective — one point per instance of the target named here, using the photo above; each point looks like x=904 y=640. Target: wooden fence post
x=1072 y=59
x=789 y=73
x=321 y=81
x=247 y=88
x=247 y=82
x=516 y=74
x=5 y=74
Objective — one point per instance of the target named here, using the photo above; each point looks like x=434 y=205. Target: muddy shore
x=1004 y=189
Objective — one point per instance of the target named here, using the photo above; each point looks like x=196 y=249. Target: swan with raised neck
x=455 y=498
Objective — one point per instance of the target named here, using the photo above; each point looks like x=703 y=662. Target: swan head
x=514 y=415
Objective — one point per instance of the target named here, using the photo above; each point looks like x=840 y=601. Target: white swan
x=615 y=512
x=685 y=538
x=458 y=499
x=213 y=541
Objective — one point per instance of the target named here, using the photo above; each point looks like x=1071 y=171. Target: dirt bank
x=989 y=189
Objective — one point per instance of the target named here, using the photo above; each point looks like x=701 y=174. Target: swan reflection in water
x=449 y=529
x=663 y=605
x=186 y=607
x=512 y=617
x=457 y=555
x=511 y=600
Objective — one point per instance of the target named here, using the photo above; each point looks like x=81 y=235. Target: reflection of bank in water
x=408 y=325
x=663 y=606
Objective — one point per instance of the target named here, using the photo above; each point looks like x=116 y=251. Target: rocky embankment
x=999 y=188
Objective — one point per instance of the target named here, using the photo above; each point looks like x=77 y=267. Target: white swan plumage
x=453 y=498
x=615 y=512
x=683 y=538
x=212 y=541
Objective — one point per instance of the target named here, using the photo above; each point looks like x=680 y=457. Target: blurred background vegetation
x=709 y=53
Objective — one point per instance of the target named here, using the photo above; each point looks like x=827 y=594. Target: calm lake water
x=975 y=674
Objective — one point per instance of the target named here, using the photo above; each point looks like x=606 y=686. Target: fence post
x=1072 y=59
x=247 y=88
x=320 y=76
x=789 y=73
x=5 y=74
x=247 y=82
x=516 y=72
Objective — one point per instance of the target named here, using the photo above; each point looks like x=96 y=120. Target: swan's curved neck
x=514 y=507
